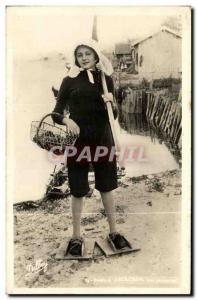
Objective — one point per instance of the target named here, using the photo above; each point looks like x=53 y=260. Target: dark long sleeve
x=62 y=100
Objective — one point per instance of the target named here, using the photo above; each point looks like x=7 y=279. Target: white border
x=2 y=84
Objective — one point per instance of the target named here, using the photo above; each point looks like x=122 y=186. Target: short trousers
x=105 y=170
x=105 y=177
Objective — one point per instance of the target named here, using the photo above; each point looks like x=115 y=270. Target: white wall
x=161 y=56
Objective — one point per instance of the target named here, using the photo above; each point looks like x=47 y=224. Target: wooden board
x=107 y=249
x=93 y=250
x=88 y=251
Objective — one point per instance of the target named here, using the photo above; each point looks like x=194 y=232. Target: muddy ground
x=148 y=213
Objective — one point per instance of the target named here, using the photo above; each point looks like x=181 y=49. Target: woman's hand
x=72 y=127
x=108 y=97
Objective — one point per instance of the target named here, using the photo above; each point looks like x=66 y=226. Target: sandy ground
x=148 y=213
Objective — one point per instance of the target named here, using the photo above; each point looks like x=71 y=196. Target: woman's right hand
x=72 y=127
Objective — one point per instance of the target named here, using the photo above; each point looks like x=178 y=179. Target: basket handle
x=50 y=114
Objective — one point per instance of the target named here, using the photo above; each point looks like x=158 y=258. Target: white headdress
x=104 y=62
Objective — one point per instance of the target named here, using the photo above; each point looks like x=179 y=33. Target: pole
x=105 y=90
x=110 y=111
x=94 y=29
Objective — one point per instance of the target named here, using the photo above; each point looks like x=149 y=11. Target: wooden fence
x=166 y=115
x=133 y=101
x=162 y=112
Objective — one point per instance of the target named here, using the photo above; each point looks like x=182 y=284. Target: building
x=152 y=57
x=158 y=55
x=123 y=54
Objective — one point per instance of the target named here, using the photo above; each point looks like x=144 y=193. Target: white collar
x=74 y=72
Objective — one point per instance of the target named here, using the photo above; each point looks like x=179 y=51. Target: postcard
x=98 y=117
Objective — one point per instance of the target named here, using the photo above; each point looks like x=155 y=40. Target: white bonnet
x=104 y=62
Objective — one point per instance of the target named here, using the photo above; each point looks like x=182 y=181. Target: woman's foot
x=76 y=247
x=117 y=240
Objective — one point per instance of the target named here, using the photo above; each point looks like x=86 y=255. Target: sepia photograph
x=98 y=117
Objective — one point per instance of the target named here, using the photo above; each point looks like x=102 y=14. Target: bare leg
x=108 y=203
x=77 y=205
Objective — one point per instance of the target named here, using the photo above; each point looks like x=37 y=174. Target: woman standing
x=81 y=91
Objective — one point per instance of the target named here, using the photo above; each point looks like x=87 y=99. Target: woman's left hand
x=108 y=97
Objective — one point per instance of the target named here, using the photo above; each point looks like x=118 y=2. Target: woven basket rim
x=45 y=123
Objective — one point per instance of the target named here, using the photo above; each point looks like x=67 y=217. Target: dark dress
x=86 y=106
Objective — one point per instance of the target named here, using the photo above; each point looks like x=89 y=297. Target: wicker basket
x=48 y=136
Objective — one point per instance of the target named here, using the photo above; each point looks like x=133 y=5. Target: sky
x=40 y=30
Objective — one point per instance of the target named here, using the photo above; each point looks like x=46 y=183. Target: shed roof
x=163 y=29
x=122 y=48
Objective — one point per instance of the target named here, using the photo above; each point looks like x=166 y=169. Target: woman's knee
x=79 y=194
